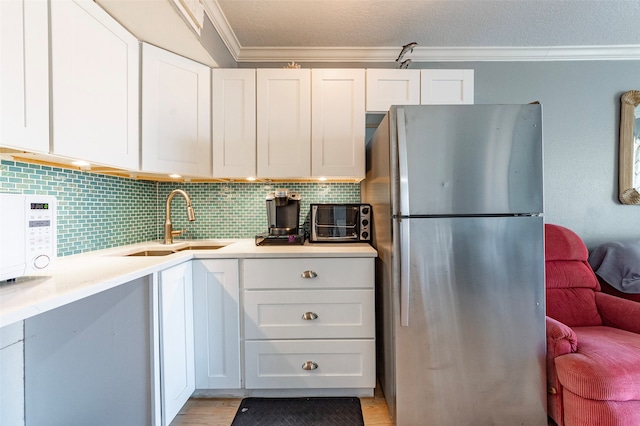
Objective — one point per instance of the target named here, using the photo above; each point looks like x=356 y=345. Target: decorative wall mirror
x=629 y=163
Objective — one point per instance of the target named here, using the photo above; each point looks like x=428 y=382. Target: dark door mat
x=299 y=412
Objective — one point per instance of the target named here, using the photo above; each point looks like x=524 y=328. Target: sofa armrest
x=618 y=312
x=561 y=339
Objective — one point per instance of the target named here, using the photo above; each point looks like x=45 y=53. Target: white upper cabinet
x=283 y=123
x=446 y=87
x=338 y=123
x=95 y=81
x=386 y=87
x=233 y=93
x=176 y=114
x=24 y=78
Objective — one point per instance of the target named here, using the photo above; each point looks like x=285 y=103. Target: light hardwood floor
x=220 y=412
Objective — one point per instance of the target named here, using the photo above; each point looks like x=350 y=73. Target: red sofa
x=593 y=341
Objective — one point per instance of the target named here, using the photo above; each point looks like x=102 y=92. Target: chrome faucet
x=168 y=226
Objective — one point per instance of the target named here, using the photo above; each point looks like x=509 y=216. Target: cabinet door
x=24 y=80
x=176 y=339
x=217 y=323
x=12 y=374
x=338 y=123
x=95 y=74
x=387 y=87
x=233 y=93
x=446 y=87
x=283 y=122
x=176 y=114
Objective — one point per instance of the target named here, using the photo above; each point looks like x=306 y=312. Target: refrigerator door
x=473 y=352
x=469 y=159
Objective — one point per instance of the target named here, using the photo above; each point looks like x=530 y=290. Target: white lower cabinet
x=90 y=362
x=309 y=323
x=177 y=372
x=275 y=364
x=12 y=374
x=216 y=311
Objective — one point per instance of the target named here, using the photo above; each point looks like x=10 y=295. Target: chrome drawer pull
x=309 y=316
x=308 y=274
x=309 y=365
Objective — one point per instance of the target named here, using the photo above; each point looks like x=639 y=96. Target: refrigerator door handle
x=403 y=166
x=405 y=272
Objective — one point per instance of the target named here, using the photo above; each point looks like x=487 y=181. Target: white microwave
x=27 y=234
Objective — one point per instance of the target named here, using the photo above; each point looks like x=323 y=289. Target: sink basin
x=152 y=253
x=166 y=252
x=203 y=247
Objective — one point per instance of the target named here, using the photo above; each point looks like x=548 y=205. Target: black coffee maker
x=283 y=217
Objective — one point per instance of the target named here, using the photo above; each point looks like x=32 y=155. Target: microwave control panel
x=40 y=241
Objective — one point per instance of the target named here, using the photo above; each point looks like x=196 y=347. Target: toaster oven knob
x=365 y=210
x=41 y=261
x=365 y=235
x=365 y=222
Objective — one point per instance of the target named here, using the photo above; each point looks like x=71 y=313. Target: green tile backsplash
x=98 y=211
x=238 y=210
x=94 y=211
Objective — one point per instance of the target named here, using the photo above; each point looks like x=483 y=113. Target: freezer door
x=473 y=350
x=469 y=159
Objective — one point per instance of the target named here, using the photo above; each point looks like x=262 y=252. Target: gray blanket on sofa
x=618 y=264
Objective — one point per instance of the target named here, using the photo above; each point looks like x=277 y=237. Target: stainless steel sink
x=203 y=247
x=152 y=253
x=166 y=252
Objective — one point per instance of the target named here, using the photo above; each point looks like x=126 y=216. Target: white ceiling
x=375 y=30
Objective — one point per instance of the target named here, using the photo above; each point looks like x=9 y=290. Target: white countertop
x=75 y=277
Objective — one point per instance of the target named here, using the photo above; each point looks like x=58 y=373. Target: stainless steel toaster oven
x=340 y=223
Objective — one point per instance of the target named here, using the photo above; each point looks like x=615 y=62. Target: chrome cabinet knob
x=308 y=274
x=309 y=316
x=309 y=365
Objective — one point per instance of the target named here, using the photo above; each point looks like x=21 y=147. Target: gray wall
x=581 y=113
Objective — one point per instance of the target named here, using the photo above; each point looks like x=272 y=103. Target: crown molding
x=440 y=54
x=220 y=23
x=419 y=54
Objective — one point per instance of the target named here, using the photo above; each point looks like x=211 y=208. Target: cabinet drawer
x=338 y=364
x=329 y=313
x=321 y=273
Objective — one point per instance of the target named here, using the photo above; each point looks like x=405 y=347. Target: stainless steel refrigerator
x=457 y=221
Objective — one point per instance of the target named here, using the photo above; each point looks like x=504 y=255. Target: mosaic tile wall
x=97 y=211
x=238 y=210
x=94 y=211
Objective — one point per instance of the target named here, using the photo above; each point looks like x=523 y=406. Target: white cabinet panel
x=24 y=78
x=311 y=314
x=337 y=303
x=310 y=364
x=176 y=339
x=95 y=75
x=233 y=94
x=446 y=87
x=326 y=273
x=89 y=362
x=283 y=123
x=338 y=123
x=12 y=375
x=386 y=87
x=216 y=308
x=176 y=114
